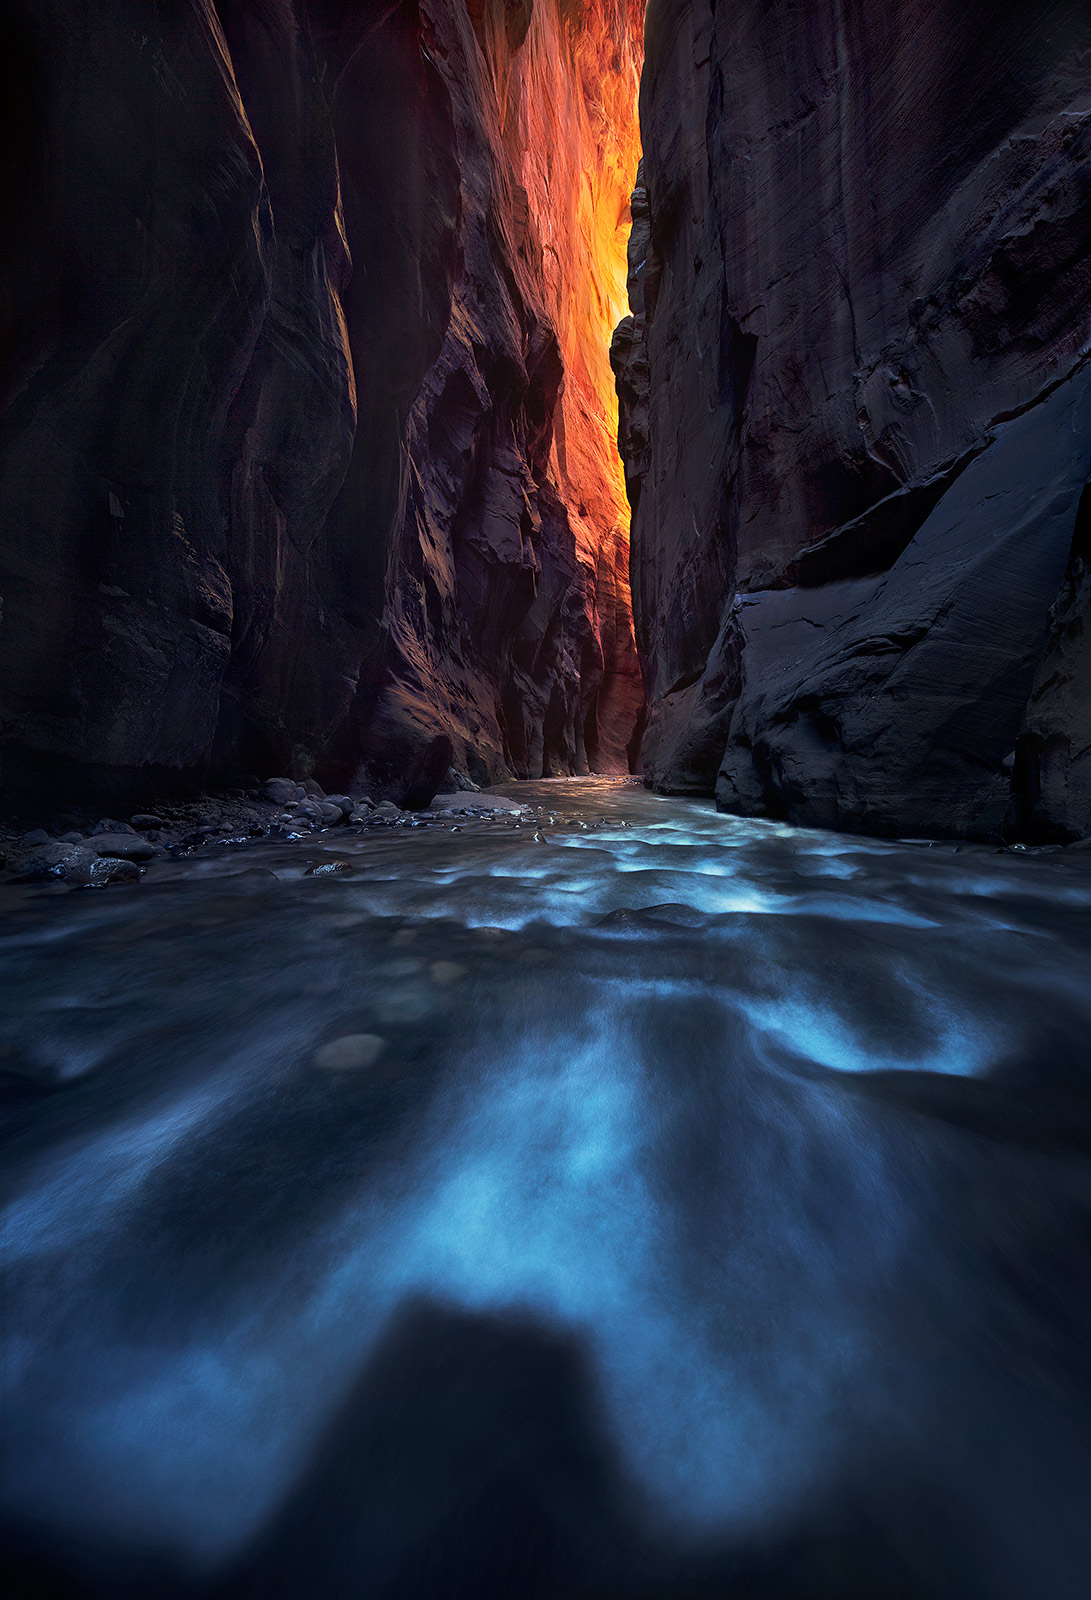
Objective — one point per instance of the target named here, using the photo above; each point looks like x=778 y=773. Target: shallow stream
x=621 y=1200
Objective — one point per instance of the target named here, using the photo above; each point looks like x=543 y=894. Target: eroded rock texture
x=287 y=376
x=856 y=411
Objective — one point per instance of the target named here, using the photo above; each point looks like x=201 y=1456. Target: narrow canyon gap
x=309 y=462
x=497 y=1111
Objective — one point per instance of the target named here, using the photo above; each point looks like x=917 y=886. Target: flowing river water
x=626 y=1200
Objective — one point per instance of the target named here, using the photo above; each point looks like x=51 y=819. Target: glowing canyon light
x=571 y=125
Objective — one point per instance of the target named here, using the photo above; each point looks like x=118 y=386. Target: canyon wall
x=307 y=458
x=856 y=411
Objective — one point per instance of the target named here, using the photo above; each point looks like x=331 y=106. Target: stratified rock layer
x=284 y=374
x=855 y=411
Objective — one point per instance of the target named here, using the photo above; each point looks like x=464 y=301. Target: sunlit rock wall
x=305 y=463
x=509 y=626
x=855 y=411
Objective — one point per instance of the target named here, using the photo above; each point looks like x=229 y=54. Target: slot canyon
x=311 y=462
x=545 y=799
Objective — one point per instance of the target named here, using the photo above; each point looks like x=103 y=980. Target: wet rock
x=83 y=867
x=349 y=1053
x=330 y=869
x=86 y=869
x=281 y=791
x=119 y=870
x=478 y=803
x=457 y=781
x=42 y=862
x=124 y=847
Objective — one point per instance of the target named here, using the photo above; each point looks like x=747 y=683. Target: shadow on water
x=471 y=1461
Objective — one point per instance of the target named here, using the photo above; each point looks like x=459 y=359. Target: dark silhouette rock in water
x=854 y=412
x=468 y=1460
x=471 y=1460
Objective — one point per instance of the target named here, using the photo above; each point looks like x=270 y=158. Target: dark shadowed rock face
x=281 y=377
x=855 y=411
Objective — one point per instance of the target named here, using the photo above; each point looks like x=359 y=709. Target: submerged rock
x=330 y=869
x=350 y=1053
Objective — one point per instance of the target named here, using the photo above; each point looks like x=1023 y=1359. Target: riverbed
x=614 y=1198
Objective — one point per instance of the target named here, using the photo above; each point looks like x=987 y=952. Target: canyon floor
x=613 y=1199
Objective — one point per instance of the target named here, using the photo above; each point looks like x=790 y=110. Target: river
x=623 y=1200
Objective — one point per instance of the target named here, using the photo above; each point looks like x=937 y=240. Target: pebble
x=350 y=1052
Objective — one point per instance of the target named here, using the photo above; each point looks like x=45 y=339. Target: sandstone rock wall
x=854 y=388
x=283 y=375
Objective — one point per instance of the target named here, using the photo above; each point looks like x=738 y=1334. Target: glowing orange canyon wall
x=571 y=122
x=567 y=78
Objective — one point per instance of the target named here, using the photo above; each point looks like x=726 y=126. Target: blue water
x=759 y=1155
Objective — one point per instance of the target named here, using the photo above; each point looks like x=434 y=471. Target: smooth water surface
x=704 y=1212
